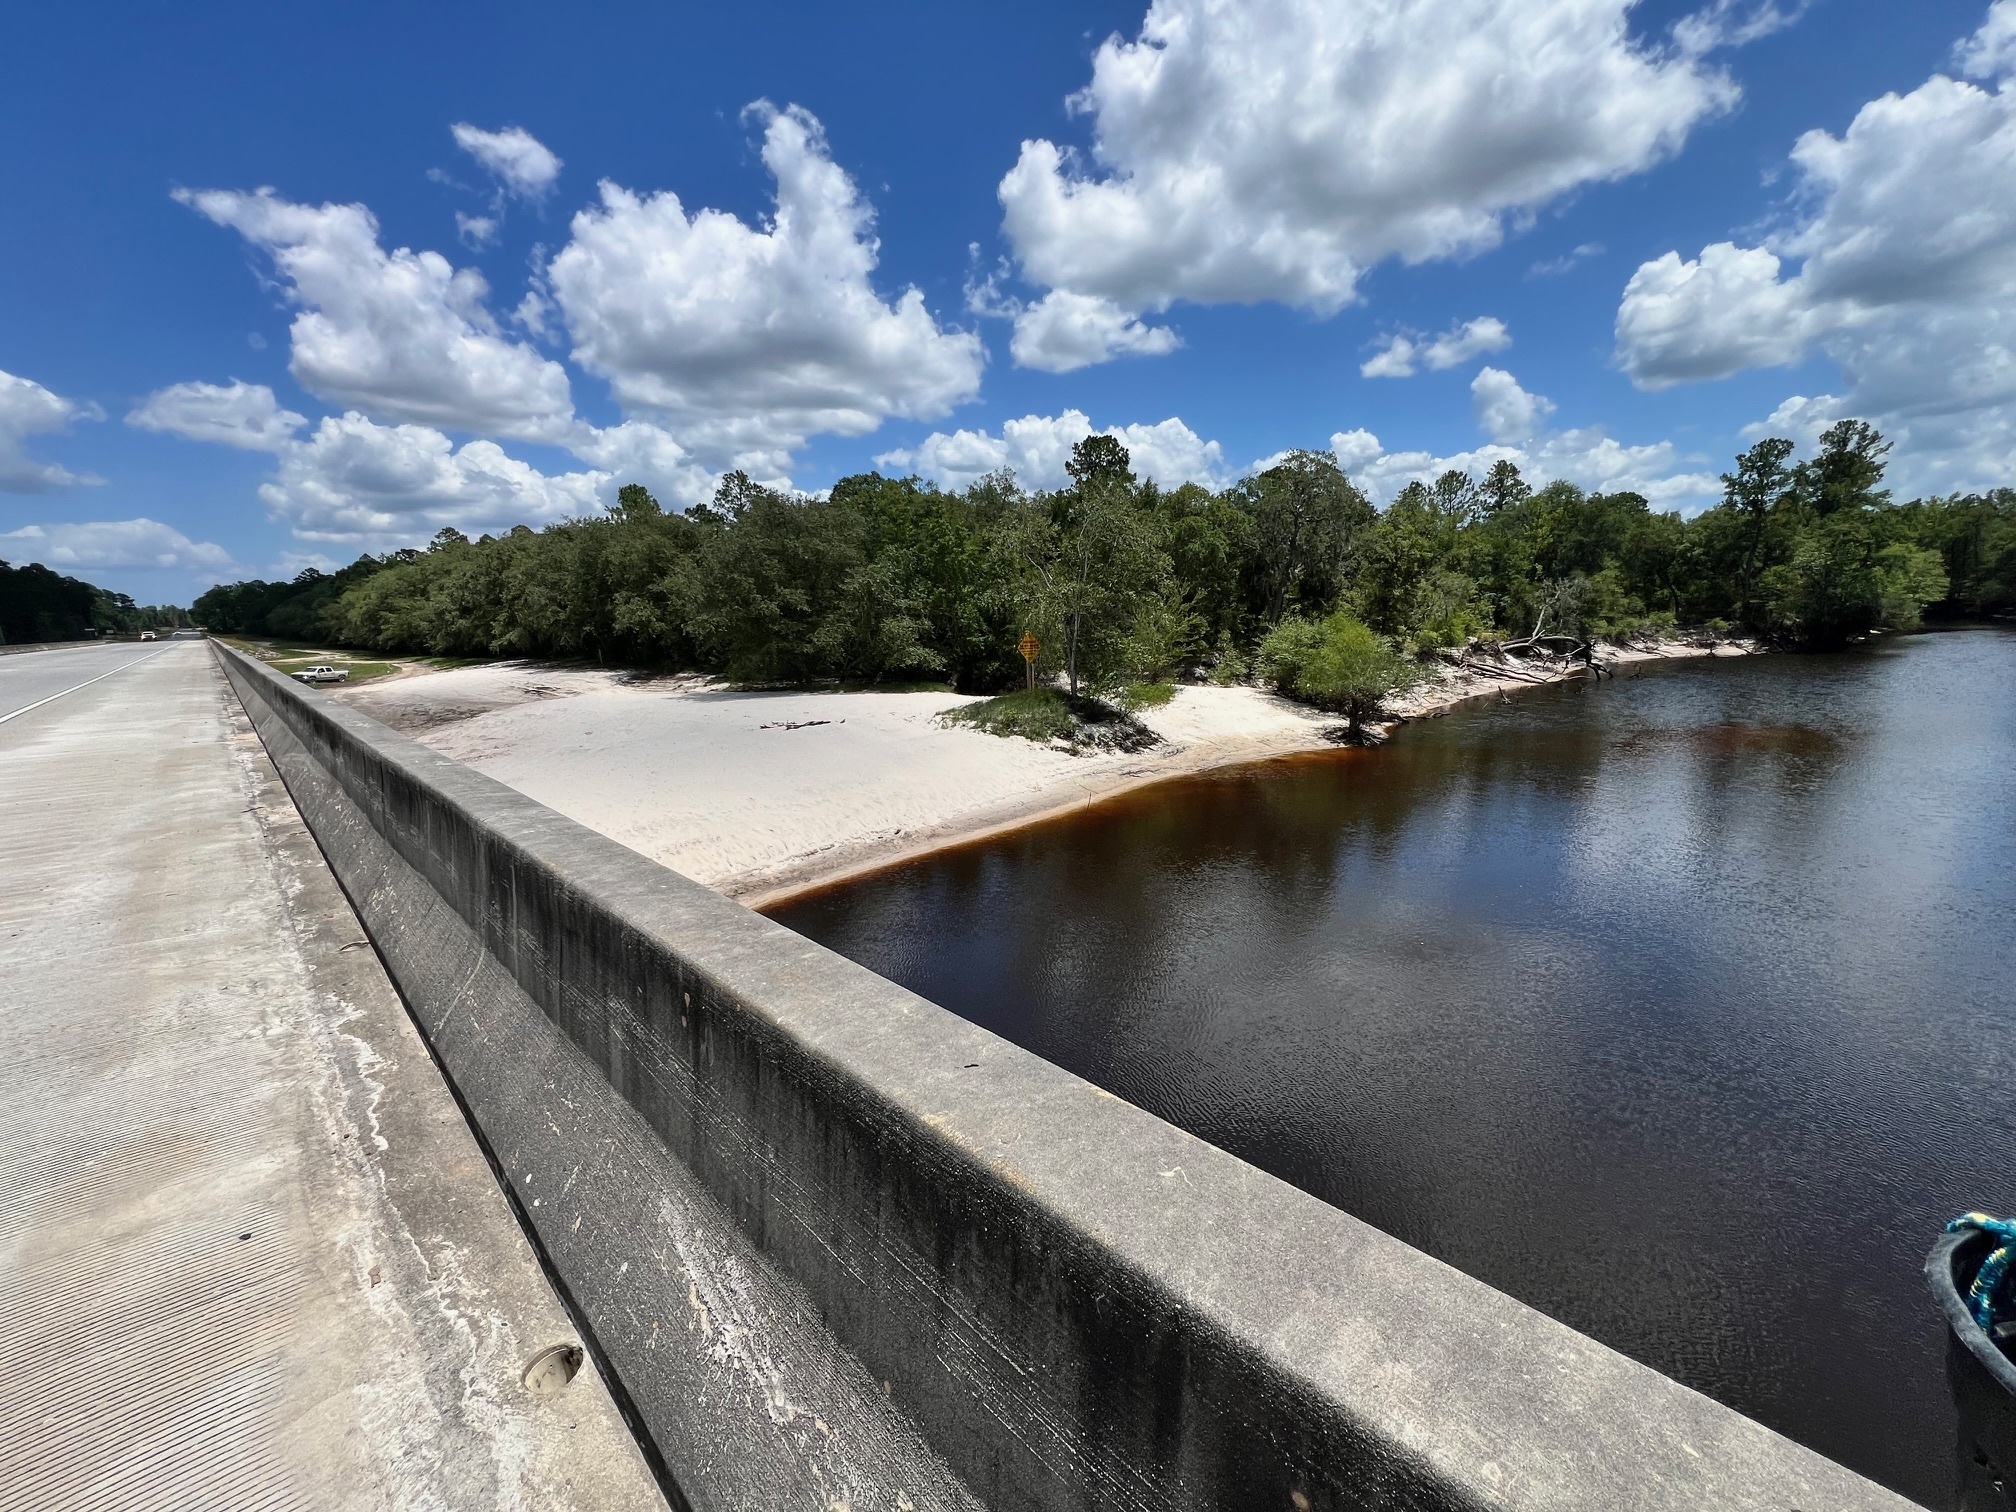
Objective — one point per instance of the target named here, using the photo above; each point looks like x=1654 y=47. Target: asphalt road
x=36 y=677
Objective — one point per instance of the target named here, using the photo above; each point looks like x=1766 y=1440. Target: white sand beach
x=760 y=795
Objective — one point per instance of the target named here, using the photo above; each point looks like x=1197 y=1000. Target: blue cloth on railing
x=1987 y=1298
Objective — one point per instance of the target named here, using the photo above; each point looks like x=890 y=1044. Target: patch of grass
x=288 y=656
x=1033 y=713
x=360 y=671
x=1048 y=715
x=1146 y=695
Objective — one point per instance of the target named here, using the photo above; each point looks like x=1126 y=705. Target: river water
x=1682 y=1008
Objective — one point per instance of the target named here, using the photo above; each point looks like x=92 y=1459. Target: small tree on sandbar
x=1337 y=663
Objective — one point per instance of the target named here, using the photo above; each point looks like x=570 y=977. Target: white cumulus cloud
x=1586 y=457
x=138 y=543
x=1453 y=348
x=1250 y=150
x=747 y=340
x=1514 y=419
x=1733 y=23
x=1036 y=447
x=356 y=481
x=244 y=415
x=638 y=452
x=522 y=163
x=1393 y=360
x=1800 y=418
x=1506 y=412
x=401 y=335
x=1683 y=320
x=475 y=231
x=1905 y=253
x=1063 y=331
x=353 y=480
x=1991 y=52
x=28 y=409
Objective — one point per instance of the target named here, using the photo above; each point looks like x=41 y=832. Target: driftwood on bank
x=1557 y=655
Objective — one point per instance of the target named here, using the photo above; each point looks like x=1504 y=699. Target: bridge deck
x=250 y=1254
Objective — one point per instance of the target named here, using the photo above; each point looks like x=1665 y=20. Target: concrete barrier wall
x=842 y=1248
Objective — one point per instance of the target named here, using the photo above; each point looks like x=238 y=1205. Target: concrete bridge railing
x=839 y=1247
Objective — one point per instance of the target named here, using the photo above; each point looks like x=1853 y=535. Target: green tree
x=1843 y=581
x=1656 y=561
x=1337 y=663
x=1420 y=534
x=1308 y=521
x=1754 y=494
x=1089 y=560
x=1912 y=576
x=891 y=577
x=930 y=557
x=37 y=603
x=1166 y=636
x=385 y=612
x=1208 y=539
x=1975 y=536
x=1845 y=472
x=634 y=502
x=1503 y=488
x=769 y=578
x=877 y=627
x=1100 y=461
x=1445 y=610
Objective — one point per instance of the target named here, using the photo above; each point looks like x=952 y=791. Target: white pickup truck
x=322 y=674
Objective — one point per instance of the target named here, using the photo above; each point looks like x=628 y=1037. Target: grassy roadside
x=289 y=657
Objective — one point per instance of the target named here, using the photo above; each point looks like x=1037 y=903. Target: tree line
x=38 y=603
x=1124 y=582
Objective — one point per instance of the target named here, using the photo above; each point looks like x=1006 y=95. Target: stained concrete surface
x=250 y=1253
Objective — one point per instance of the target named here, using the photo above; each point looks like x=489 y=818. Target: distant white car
x=322 y=674
x=146 y=635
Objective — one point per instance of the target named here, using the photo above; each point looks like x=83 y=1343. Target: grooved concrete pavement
x=250 y=1254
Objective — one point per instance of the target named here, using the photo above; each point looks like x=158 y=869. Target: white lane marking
x=31 y=708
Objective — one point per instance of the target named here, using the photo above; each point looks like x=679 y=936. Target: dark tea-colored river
x=1682 y=1008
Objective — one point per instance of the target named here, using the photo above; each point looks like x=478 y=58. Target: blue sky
x=1614 y=242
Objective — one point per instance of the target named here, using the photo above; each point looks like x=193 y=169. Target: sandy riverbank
x=760 y=795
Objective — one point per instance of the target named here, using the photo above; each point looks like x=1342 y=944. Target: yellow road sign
x=1031 y=648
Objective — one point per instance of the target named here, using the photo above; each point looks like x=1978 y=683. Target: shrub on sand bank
x=1336 y=663
x=1050 y=715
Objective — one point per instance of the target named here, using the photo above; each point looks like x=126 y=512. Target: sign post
x=1031 y=648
